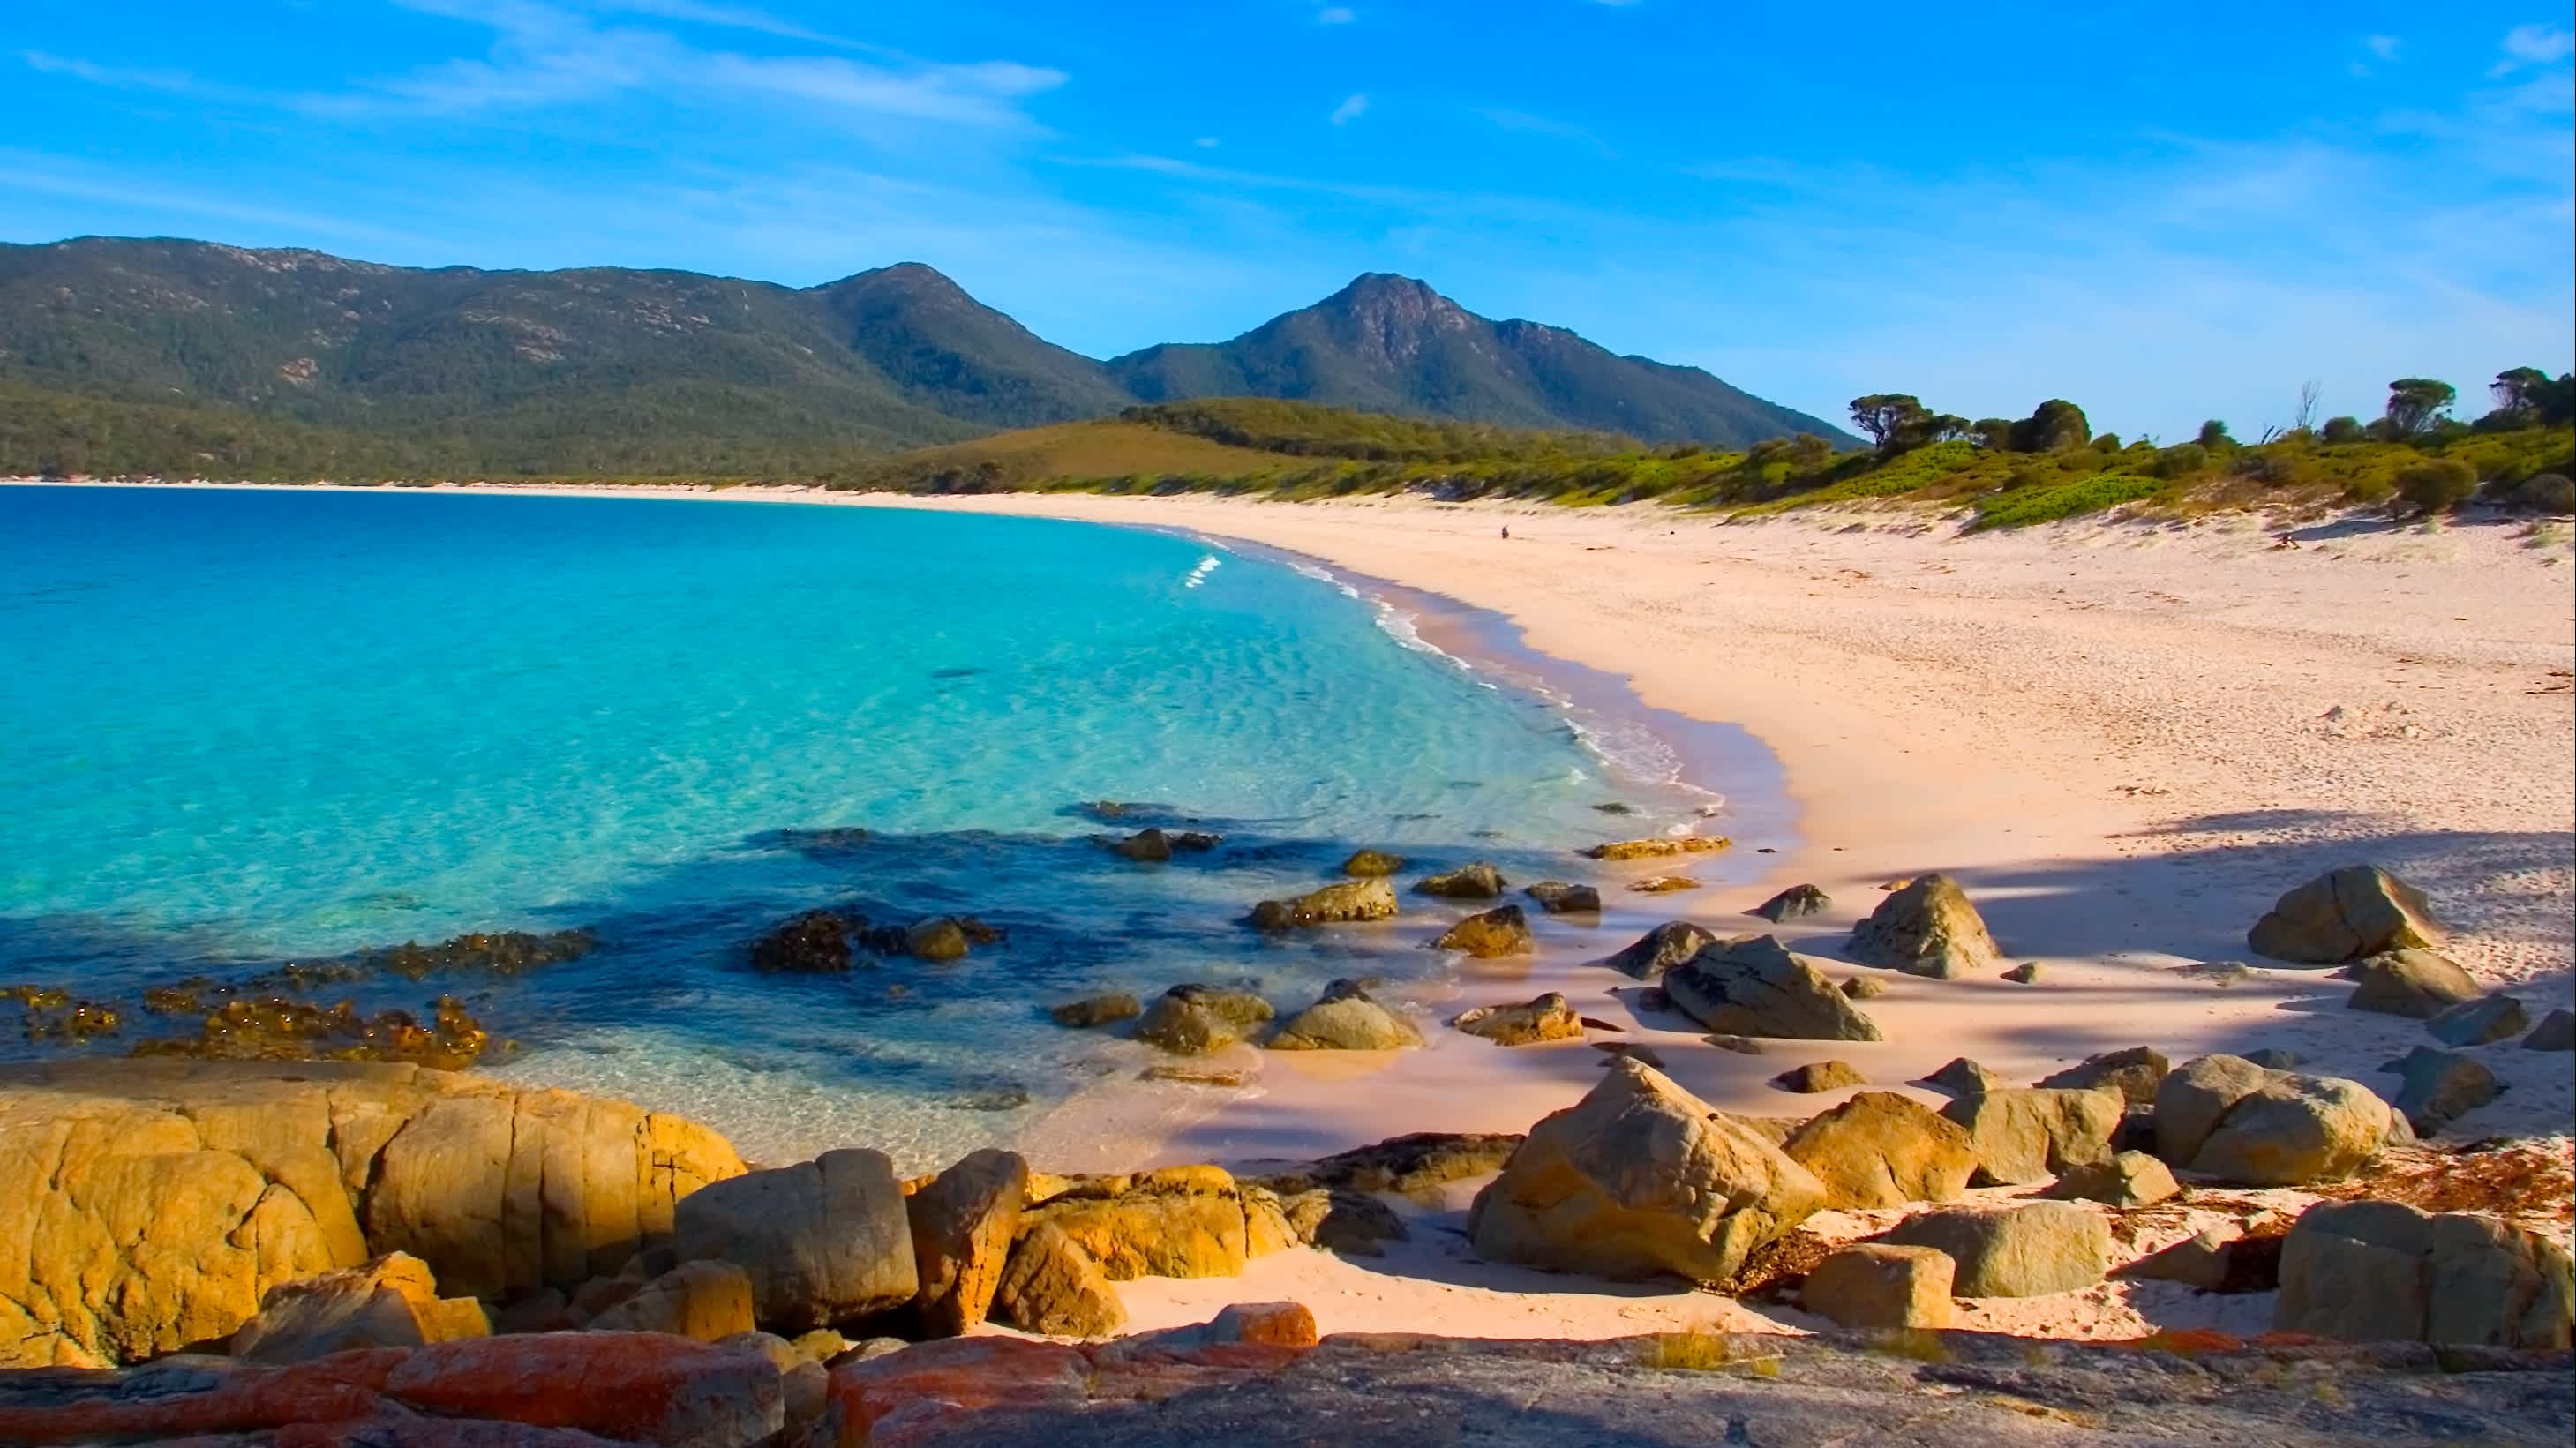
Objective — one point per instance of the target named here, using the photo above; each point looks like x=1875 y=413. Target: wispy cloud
x=2383 y=46
x=1207 y=143
x=1523 y=121
x=171 y=81
x=1350 y=109
x=1336 y=15
x=2526 y=45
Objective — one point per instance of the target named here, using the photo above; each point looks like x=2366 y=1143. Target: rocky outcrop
x=1347 y=1018
x=2227 y=1118
x=1501 y=931
x=1660 y=949
x=1353 y=1224
x=2344 y=915
x=1051 y=1286
x=1336 y=904
x=1193 y=1019
x=1182 y=1221
x=1878 y=1284
x=2412 y=982
x=1549 y=1017
x=939 y=940
x=2037 y=1249
x=1662 y=847
x=1479 y=881
x=2372 y=1271
x=154 y=1203
x=1638 y=1179
x=1880 y=1149
x=1154 y=846
x=963 y=1222
x=1928 y=928
x=1556 y=897
x=1757 y=988
x=824 y=1241
x=392 y=1301
x=702 y=1300
x=814 y=943
x=2028 y=1134
x=2439 y=1087
x=1795 y=903
x=2135 y=1073
x=1099 y=1010
x=2129 y=1179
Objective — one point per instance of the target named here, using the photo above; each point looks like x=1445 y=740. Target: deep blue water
x=243 y=726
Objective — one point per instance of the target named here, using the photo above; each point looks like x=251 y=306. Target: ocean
x=246 y=726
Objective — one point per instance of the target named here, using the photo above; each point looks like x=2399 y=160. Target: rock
x=2344 y=915
x=1195 y=1075
x=1630 y=1050
x=2227 y=1118
x=1740 y=1045
x=1182 y=1221
x=1662 y=884
x=151 y=1204
x=1099 y=1010
x=2026 y=973
x=2037 y=1249
x=1372 y=864
x=2274 y=1058
x=1549 y=1017
x=2416 y=983
x=1559 y=898
x=2135 y=1073
x=1637 y=1179
x=1479 y=881
x=1757 y=988
x=1864 y=987
x=1927 y=928
x=1660 y=949
x=701 y=1300
x=2028 y=1134
x=626 y=1387
x=816 y=942
x=1413 y=1165
x=2217 y=1260
x=1193 y=1019
x=544 y=1310
x=1148 y=846
x=962 y=1225
x=1503 y=930
x=2129 y=1179
x=390 y=1302
x=2480 y=1022
x=1337 y=904
x=1053 y=1287
x=823 y=1241
x=2220 y=973
x=1963 y=1077
x=1660 y=848
x=1880 y=1149
x=2440 y=1087
x=2375 y=1271
x=600 y=1294
x=1346 y=1019
x=1819 y=1076
x=1876 y=1285
x=2556 y=1032
x=1795 y=903
x=1353 y=1224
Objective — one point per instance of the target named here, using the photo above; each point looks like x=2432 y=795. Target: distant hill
x=1391 y=344
x=183 y=356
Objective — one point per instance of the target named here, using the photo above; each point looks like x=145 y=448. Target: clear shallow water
x=248 y=726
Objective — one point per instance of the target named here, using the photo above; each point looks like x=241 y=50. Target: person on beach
x=1507 y=532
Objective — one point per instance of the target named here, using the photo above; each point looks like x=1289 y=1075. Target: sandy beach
x=2125 y=740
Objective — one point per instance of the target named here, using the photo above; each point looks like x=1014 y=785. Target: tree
x=2108 y=442
x=2343 y=429
x=2213 y=436
x=2530 y=397
x=2054 y=426
x=2305 y=419
x=1890 y=419
x=2415 y=402
x=1994 y=434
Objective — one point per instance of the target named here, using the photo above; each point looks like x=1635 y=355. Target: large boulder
x=1336 y=904
x=2028 y=1134
x=2376 y=1271
x=1659 y=950
x=1371 y=864
x=1179 y=1221
x=2439 y=1087
x=701 y=1300
x=1757 y=988
x=824 y=1241
x=1053 y=1287
x=2344 y=915
x=153 y=1203
x=1639 y=1179
x=1099 y=1010
x=2556 y=1032
x=2481 y=1022
x=2225 y=1117
x=392 y=1301
x=1347 y=1018
x=1963 y=1077
x=1795 y=903
x=2130 y=1179
x=1880 y=1149
x=1880 y=1285
x=2412 y=982
x=1479 y=881
x=1193 y=1019
x=963 y=1222
x=1503 y=930
x=1556 y=897
x=1550 y=1017
x=1928 y=928
x=621 y=1386
x=2135 y=1073
x=2037 y=1249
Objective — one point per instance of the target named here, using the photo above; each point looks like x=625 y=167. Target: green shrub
x=2181 y=460
x=2021 y=507
x=2546 y=493
x=2108 y=442
x=2437 y=485
x=2343 y=430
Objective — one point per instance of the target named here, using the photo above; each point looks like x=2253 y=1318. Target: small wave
x=1199 y=575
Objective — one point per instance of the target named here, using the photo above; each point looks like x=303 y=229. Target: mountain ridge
x=608 y=369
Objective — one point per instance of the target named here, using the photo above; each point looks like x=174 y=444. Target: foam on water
x=247 y=726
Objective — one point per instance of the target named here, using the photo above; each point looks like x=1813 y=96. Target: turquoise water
x=256 y=725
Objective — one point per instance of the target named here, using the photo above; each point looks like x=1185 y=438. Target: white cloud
x=2534 y=45
x=2383 y=46
x=1336 y=15
x=1207 y=143
x=1350 y=110
x=171 y=81
x=1523 y=121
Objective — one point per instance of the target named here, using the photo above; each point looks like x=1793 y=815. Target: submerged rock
x=1372 y=864
x=816 y=942
x=1757 y=988
x=1479 y=881
x=1503 y=930
x=1660 y=949
x=1350 y=900
x=1659 y=848
x=1663 y=884
x=1099 y=1010
x=1346 y=1019
x=1192 y=1019
x=937 y=940
x=1559 y=898
x=2345 y=914
x=273 y=1028
x=1928 y=928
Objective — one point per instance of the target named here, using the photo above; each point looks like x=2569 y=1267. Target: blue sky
x=2165 y=212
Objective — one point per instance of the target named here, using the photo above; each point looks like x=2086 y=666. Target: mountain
x=178 y=356
x=1391 y=344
